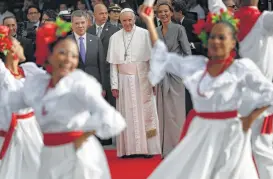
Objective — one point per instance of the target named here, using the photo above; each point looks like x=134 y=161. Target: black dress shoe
x=148 y=156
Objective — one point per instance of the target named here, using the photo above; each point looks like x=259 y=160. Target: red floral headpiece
x=48 y=34
x=5 y=41
x=202 y=27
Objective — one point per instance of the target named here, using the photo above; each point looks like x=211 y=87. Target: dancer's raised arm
x=162 y=61
x=216 y=5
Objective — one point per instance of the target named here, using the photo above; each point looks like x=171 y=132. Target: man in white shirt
x=4 y=11
x=91 y=55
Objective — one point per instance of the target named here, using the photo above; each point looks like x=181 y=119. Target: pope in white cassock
x=128 y=54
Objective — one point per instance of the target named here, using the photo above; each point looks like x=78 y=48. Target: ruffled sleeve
x=163 y=62
x=256 y=81
x=105 y=119
x=31 y=69
x=268 y=22
x=14 y=99
x=3 y=74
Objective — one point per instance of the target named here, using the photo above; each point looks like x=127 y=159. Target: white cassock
x=22 y=157
x=212 y=148
x=257 y=46
x=128 y=55
x=63 y=113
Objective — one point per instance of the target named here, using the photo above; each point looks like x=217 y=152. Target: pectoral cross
x=125 y=55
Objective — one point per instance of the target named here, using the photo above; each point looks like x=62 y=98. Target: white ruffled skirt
x=262 y=144
x=22 y=160
x=63 y=162
x=212 y=149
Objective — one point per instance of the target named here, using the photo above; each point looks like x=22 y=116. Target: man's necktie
x=99 y=31
x=82 y=49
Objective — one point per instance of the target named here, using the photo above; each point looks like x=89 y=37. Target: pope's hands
x=115 y=93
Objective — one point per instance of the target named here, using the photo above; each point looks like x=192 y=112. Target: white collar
x=77 y=36
x=181 y=21
x=100 y=26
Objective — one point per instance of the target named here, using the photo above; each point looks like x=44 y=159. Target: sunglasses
x=232 y=6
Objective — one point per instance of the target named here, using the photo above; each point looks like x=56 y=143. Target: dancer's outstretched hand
x=146 y=18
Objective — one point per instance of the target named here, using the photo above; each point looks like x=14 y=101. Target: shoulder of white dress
x=34 y=85
x=32 y=68
x=80 y=77
x=244 y=66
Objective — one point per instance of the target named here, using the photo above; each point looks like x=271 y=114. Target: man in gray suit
x=104 y=30
x=92 y=59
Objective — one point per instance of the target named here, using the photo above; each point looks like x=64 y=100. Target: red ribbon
x=61 y=138
x=267 y=127
x=206 y=115
x=8 y=135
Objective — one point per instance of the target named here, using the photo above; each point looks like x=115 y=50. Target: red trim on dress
x=267 y=127
x=61 y=138
x=208 y=116
x=8 y=135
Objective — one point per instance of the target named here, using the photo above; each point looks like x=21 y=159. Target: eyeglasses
x=232 y=6
x=33 y=13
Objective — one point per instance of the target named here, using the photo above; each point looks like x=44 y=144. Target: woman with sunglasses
x=217 y=143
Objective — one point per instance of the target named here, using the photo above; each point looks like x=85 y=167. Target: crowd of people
x=109 y=71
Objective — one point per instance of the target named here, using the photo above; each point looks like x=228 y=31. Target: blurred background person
x=81 y=5
x=26 y=43
x=63 y=7
x=231 y=5
x=114 y=12
x=90 y=18
x=49 y=16
x=4 y=11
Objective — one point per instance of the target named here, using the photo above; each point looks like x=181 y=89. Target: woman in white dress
x=70 y=109
x=217 y=143
x=21 y=139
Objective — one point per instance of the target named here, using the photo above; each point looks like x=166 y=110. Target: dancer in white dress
x=20 y=133
x=256 y=42
x=62 y=103
x=217 y=144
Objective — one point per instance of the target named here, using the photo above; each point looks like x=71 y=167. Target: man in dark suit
x=104 y=30
x=91 y=56
x=26 y=43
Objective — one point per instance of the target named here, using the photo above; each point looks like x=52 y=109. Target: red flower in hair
x=5 y=42
x=46 y=35
x=4 y=31
x=199 y=26
x=209 y=23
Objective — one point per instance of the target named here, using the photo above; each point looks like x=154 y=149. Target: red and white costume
x=215 y=146
x=20 y=134
x=256 y=43
x=64 y=112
